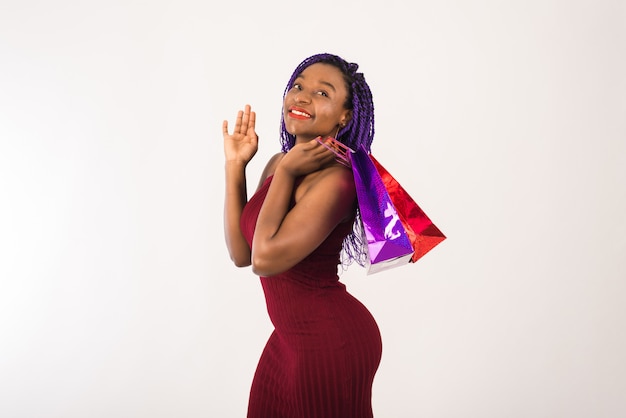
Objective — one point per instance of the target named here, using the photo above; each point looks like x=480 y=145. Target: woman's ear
x=346 y=118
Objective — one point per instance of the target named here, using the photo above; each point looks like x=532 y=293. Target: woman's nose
x=302 y=97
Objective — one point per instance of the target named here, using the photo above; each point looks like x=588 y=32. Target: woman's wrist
x=236 y=164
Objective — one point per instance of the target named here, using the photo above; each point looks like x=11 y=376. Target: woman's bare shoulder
x=334 y=180
x=338 y=174
x=335 y=187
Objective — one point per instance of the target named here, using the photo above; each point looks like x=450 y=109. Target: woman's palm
x=242 y=144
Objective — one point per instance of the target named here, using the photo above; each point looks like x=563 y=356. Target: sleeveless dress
x=320 y=360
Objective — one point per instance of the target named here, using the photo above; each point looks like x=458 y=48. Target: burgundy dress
x=321 y=358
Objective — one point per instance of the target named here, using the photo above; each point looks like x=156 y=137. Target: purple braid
x=359 y=132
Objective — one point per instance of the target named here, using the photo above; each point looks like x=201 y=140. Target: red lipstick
x=298 y=113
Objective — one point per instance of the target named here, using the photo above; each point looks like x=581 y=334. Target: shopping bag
x=422 y=232
x=387 y=241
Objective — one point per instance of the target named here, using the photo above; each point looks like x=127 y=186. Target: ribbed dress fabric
x=321 y=358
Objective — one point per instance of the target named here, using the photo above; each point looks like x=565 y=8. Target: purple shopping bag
x=388 y=244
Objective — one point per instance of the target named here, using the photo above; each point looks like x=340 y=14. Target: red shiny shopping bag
x=422 y=232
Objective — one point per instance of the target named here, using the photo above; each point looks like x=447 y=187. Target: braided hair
x=359 y=132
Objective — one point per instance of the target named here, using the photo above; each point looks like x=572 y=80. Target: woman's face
x=314 y=106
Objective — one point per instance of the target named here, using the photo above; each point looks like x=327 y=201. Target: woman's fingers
x=238 y=122
x=245 y=120
x=251 y=120
x=319 y=153
x=319 y=149
x=323 y=155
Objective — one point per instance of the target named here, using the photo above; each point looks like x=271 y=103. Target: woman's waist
x=293 y=307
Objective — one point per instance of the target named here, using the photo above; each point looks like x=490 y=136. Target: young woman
x=321 y=358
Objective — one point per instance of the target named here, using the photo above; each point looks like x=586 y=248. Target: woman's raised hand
x=243 y=143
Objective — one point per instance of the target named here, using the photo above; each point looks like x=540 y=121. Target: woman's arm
x=234 y=201
x=285 y=236
x=239 y=148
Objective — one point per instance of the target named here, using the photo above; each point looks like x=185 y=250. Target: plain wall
x=505 y=120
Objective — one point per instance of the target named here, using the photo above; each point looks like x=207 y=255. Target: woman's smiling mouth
x=298 y=113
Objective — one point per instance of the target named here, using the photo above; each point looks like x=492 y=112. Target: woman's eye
x=297 y=86
x=322 y=93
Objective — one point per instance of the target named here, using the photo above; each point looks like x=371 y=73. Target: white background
x=505 y=120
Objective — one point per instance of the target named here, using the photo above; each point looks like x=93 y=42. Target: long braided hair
x=359 y=132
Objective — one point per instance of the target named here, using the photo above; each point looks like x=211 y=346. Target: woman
x=321 y=358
